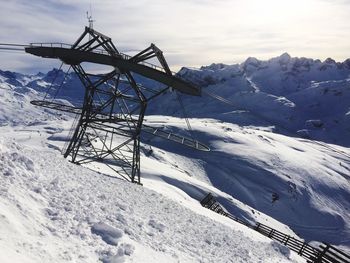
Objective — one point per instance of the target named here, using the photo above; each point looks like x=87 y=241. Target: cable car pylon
x=111 y=117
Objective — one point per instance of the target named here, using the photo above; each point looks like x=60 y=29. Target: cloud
x=190 y=32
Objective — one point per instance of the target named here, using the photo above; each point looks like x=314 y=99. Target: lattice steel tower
x=111 y=116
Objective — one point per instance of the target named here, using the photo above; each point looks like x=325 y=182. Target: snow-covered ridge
x=285 y=91
x=305 y=69
x=69 y=86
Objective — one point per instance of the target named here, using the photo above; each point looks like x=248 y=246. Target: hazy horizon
x=191 y=33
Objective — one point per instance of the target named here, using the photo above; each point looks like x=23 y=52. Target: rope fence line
x=325 y=254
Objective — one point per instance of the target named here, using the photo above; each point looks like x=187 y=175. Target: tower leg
x=110 y=124
x=135 y=178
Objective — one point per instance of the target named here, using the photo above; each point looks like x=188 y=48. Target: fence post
x=320 y=256
x=286 y=242
x=301 y=249
x=257 y=226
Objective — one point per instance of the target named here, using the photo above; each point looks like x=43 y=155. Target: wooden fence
x=324 y=254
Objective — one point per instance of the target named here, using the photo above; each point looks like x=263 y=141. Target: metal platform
x=189 y=142
x=186 y=141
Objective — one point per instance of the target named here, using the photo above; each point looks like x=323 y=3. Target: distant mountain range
x=300 y=96
x=297 y=96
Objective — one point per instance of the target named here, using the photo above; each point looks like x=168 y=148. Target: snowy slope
x=311 y=179
x=52 y=210
x=251 y=160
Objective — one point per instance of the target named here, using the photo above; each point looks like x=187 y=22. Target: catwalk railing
x=99 y=51
x=326 y=253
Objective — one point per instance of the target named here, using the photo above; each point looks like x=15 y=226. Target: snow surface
x=55 y=211
x=52 y=210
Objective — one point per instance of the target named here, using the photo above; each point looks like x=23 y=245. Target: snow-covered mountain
x=260 y=149
x=298 y=96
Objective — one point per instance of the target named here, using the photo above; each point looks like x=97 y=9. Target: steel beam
x=75 y=57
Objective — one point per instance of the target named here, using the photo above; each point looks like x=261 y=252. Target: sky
x=190 y=32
